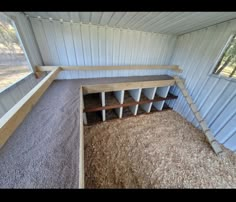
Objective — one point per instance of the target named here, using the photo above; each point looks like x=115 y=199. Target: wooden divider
x=126 y=86
x=149 y=93
x=135 y=94
x=162 y=92
x=120 y=97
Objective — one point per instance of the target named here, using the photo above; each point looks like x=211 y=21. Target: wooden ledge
x=90 y=68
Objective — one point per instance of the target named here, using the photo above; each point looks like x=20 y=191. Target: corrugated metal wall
x=64 y=43
x=10 y=96
x=215 y=97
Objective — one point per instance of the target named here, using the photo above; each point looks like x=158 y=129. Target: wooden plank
x=130 y=104
x=162 y=92
x=212 y=141
x=131 y=67
x=81 y=144
x=85 y=121
x=126 y=86
x=14 y=117
x=149 y=93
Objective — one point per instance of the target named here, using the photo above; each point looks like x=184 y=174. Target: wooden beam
x=81 y=143
x=89 y=68
x=14 y=117
x=126 y=86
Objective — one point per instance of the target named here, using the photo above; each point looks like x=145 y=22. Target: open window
x=13 y=62
x=226 y=65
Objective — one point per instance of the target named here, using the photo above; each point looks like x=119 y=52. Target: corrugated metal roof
x=161 y=22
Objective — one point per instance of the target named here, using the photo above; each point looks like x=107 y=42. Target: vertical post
x=102 y=97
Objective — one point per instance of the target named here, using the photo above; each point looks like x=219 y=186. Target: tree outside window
x=13 y=63
x=227 y=63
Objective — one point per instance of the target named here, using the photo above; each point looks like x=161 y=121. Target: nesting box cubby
x=124 y=103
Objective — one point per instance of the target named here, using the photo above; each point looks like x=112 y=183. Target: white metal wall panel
x=64 y=43
x=196 y=53
x=10 y=96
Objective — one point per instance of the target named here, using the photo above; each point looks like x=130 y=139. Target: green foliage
x=7 y=34
x=227 y=64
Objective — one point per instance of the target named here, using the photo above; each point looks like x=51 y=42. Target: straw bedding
x=43 y=152
x=160 y=150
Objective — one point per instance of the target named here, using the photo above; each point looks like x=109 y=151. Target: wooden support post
x=15 y=116
x=81 y=144
x=102 y=97
x=84 y=113
x=162 y=92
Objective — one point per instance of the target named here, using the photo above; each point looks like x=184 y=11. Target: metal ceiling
x=161 y=22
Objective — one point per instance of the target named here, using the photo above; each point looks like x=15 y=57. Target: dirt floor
x=160 y=150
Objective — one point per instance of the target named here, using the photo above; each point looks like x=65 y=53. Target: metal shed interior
x=193 y=41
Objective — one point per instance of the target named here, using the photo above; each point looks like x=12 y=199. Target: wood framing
x=81 y=143
x=89 y=68
x=126 y=86
x=14 y=117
